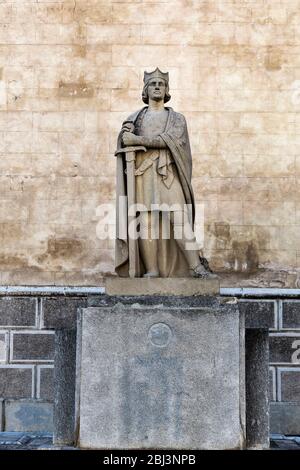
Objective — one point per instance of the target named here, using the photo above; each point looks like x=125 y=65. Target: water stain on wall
x=80 y=50
x=75 y=90
x=273 y=60
x=8 y=261
x=64 y=247
x=60 y=251
x=243 y=246
x=222 y=234
x=244 y=256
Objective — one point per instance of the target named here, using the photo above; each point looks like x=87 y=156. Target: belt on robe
x=164 y=166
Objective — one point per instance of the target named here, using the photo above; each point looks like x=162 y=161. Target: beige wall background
x=70 y=71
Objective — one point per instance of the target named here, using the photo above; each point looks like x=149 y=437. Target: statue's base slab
x=167 y=376
x=161 y=286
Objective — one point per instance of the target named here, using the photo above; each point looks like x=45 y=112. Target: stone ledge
x=161 y=286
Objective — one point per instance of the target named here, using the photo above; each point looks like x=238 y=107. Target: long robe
x=172 y=262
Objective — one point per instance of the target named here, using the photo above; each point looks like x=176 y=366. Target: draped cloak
x=171 y=260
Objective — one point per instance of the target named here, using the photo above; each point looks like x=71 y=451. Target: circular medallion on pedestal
x=160 y=334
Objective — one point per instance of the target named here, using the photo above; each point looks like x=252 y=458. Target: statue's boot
x=201 y=272
x=151 y=274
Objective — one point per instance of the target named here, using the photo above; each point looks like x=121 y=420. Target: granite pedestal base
x=165 y=373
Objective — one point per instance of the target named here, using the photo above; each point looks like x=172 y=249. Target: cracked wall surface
x=71 y=71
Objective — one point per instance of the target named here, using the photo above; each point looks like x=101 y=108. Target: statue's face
x=157 y=90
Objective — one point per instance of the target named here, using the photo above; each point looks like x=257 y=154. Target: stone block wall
x=71 y=71
x=26 y=357
x=285 y=352
x=283 y=320
x=27 y=328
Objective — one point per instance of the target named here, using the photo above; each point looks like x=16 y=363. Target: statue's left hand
x=130 y=139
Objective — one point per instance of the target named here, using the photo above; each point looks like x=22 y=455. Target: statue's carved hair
x=145 y=96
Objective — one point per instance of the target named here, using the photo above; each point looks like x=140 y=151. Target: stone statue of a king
x=155 y=202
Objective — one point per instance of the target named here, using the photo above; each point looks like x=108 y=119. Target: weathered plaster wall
x=70 y=71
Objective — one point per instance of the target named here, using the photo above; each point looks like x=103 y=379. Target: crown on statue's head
x=156 y=74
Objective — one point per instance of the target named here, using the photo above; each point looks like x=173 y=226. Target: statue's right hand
x=128 y=127
x=130 y=139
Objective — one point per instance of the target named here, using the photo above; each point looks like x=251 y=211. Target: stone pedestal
x=162 y=374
